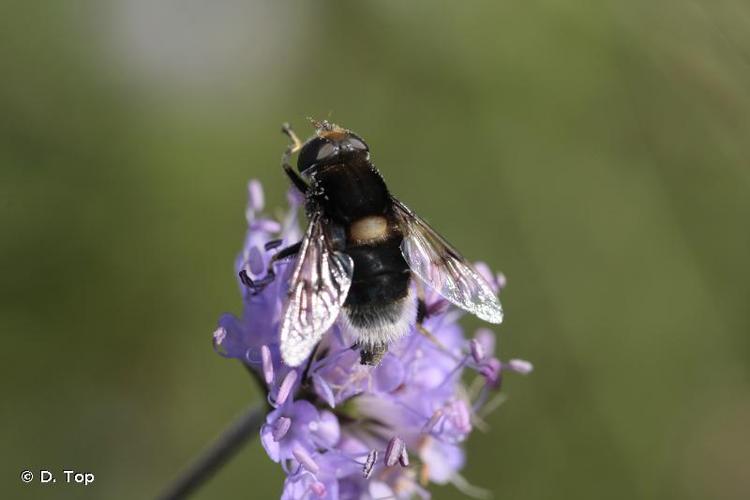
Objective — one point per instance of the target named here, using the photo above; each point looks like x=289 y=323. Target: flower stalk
x=215 y=456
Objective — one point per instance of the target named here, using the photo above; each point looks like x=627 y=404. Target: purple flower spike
x=393 y=451
x=416 y=394
x=305 y=460
x=280 y=428
x=265 y=354
x=372 y=457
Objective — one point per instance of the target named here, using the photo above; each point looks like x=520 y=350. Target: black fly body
x=360 y=253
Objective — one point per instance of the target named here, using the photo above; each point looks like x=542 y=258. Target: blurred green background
x=596 y=152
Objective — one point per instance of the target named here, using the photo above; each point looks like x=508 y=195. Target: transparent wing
x=317 y=290
x=439 y=265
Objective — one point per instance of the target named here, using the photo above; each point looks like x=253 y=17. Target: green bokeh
x=597 y=153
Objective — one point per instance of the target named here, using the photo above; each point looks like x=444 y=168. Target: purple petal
x=227 y=339
x=379 y=489
x=253 y=356
x=304 y=412
x=327 y=428
x=295 y=198
x=443 y=460
x=389 y=374
x=255 y=260
x=324 y=390
x=269 y=443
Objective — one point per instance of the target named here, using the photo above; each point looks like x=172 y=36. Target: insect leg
x=295 y=146
x=257 y=286
x=421 y=315
x=372 y=355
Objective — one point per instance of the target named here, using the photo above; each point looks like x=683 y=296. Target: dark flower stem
x=226 y=445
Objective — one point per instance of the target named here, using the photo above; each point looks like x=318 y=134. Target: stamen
x=270 y=245
x=467 y=488
x=219 y=335
x=372 y=457
x=424 y=474
x=393 y=451
x=245 y=279
x=477 y=351
x=454 y=371
x=280 y=428
x=265 y=354
x=305 y=460
x=432 y=422
x=267 y=225
x=318 y=488
x=403 y=459
x=520 y=366
x=501 y=280
x=286 y=387
x=492 y=404
x=461 y=416
x=256 y=199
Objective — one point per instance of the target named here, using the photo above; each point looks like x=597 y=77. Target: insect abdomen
x=381 y=274
x=379 y=308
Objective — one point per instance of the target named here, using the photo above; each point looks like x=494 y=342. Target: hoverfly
x=360 y=253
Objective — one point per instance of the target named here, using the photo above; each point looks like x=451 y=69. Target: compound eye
x=357 y=143
x=326 y=151
x=311 y=153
